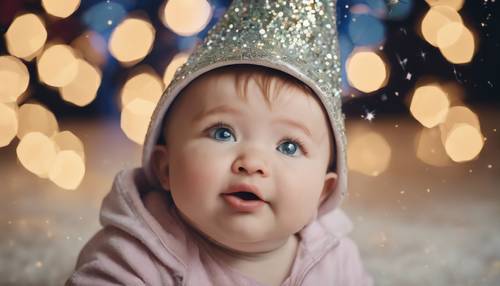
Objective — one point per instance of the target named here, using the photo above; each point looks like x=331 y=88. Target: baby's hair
x=269 y=81
x=264 y=78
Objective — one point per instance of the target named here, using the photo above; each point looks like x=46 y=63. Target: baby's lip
x=235 y=188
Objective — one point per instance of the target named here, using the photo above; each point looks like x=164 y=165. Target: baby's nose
x=251 y=162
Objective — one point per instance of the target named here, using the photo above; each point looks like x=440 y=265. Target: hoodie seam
x=302 y=276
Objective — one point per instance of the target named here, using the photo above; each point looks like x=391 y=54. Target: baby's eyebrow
x=295 y=124
x=218 y=109
x=232 y=110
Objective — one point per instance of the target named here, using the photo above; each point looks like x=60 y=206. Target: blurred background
x=79 y=80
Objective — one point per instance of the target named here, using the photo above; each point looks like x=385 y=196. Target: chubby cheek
x=299 y=200
x=195 y=177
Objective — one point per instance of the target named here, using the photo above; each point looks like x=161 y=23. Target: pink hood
x=144 y=243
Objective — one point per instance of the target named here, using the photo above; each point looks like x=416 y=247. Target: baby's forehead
x=243 y=87
x=254 y=94
x=246 y=80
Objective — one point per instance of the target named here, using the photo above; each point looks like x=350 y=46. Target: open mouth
x=246 y=196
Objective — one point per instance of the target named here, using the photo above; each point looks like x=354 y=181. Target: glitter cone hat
x=297 y=37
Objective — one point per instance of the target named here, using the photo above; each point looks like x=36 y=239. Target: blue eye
x=222 y=134
x=289 y=148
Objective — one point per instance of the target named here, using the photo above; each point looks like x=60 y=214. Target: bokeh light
x=131 y=40
x=186 y=17
x=58 y=65
x=429 y=105
x=366 y=71
x=8 y=124
x=135 y=119
x=145 y=84
x=463 y=142
x=461 y=50
x=172 y=67
x=455 y=4
x=430 y=150
x=61 y=9
x=435 y=19
x=66 y=140
x=14 y=78
x=67 y=170
x=26 y=36
x=458 y=114
x=36 y=118
x=461 y=134
x=368 y=153
x=82 y=90
x=449 y=34
x=36 y=152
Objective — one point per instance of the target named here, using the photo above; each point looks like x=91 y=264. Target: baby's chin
x=244 y=245
x=241 y=238
x=249 y=241
x=244 y=234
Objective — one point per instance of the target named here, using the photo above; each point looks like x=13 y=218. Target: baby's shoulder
x=111 y=240
x=113 y=255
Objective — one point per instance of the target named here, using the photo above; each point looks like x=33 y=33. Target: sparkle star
x=402 y=62
x=370 y=115
x=422 y=54
x=393 y=3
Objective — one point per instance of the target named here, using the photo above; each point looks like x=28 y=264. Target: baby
x=243 y=166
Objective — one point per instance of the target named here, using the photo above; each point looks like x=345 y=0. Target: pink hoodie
x=143 y=242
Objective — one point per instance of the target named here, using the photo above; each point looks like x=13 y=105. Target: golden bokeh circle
x=131 y=40
x=135 y=119
x=8 y=124
x=462 y=50
x=67 y=140
x=366 y=71
x=36 y=118
x=429 y=105
x=186 y=17
x=435 y=19
x=67 y=170
x=61 y=9
x=14 y=78
x=26 y=36
x=146 y=85
x=36 y=152
x=58 y=65
x=82 y=90
x=464 y=142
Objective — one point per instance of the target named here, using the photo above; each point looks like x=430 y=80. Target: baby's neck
x=269 y=267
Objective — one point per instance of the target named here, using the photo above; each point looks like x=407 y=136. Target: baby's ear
x=159 y=159
x=328 y=186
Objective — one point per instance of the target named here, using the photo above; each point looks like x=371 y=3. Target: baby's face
x=235 y=167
